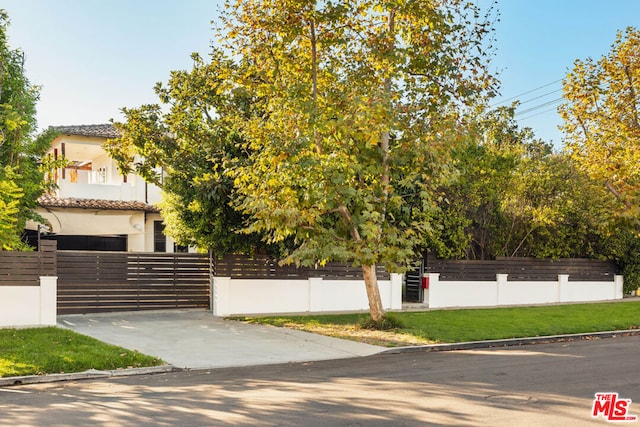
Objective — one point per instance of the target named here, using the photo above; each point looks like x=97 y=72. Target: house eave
x=93 y=204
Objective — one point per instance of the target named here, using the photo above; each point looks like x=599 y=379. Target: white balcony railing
x=123 y=192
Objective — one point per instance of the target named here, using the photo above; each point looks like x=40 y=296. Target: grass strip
x=38 y=351
x=451 y=326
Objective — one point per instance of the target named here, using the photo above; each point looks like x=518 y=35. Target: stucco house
x=95 y=207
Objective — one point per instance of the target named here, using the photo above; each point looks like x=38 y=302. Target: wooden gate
x=90 y=282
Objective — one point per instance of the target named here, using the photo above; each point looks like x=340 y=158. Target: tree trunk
x=373 y=293
x=368 y=272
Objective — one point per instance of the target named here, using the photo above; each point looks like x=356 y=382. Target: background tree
x=185 y=146
x=553 y=210
x=361 y=102
x=513 y=196
x=22 y=179
x=469 y=217
x=602 y=133
x=601 y=124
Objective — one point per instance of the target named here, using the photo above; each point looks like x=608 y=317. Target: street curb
x=86 y=375
x=512 y=342
x=96 y=374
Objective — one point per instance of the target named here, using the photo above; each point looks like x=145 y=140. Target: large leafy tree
x=360 y=104
x=601 y=119
x=601 y=116
x=185 y=145
x=21 y=174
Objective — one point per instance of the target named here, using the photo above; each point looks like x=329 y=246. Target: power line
x=537 y=114
x=526 y=93
x=541 y=96
x=537 y=107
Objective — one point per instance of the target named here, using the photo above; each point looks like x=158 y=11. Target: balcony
x=124 y=192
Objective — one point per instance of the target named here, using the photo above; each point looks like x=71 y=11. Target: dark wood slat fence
x=246 y=267
x=25 y=268
x=522 y=269
x=116 y=281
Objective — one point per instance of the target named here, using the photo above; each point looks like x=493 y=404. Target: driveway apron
x=195 y=339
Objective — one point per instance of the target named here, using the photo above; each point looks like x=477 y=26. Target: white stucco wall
x=248 y=296
x=501 y=292
x=29 y=305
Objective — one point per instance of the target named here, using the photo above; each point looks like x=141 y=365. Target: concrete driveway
x=194 y=339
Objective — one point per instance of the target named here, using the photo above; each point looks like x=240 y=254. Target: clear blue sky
x=93 y=57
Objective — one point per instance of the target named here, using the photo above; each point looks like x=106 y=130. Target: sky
x=93 y=57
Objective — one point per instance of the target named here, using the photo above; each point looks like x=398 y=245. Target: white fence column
x=48 y=300
x=431 y=294
x=619 y=287
x=395 y=299
x=501 y=288
x=315 y=294
x=220 y=293
x=563 y=287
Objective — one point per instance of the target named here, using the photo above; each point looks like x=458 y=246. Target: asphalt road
x=543 y=384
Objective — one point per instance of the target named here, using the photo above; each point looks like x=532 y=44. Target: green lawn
x=55 y=350
x=449 y=326
x=36 y=351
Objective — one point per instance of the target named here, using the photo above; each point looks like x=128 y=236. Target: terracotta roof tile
x=102 y=130
x=54 y=202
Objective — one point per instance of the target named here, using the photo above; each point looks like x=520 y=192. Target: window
x=101 y=176
x=159 y=240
